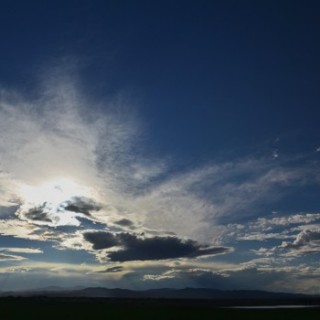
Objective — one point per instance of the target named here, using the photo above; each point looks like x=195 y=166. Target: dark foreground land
x=155 y=309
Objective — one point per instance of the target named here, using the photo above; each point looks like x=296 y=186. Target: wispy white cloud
x=279 y=227
x=21 y=250
x=306 y=242
x=10 y=253
x=53 y=137
x=66 y=159
x=285 y=238
x=19 y=229
x=62 y=135
x=193 y=203
x=10 y=257
x=295 y=219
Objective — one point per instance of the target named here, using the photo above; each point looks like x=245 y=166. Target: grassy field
x=45 y=308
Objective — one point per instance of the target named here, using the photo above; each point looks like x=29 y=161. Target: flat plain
x=155 y=309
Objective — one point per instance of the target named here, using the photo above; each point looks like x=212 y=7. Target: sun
x=45 y=203
x=53 y=191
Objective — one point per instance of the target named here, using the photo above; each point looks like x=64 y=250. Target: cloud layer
x=75 y=179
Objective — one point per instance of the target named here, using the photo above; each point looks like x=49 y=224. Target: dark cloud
x=124 y=223
x=134 y=247
x=38 y=214
x=112 y=269
x=81 y=205
x=101 y=240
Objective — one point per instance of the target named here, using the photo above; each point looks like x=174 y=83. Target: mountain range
x=166 y=293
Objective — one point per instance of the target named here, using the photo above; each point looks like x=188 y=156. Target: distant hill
x=229 y=297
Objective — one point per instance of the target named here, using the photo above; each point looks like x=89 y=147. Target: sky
x=152 y=144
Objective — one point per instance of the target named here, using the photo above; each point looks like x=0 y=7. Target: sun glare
x=51 y=197
x=53 y=192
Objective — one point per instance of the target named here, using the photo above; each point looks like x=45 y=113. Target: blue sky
x=157 y=144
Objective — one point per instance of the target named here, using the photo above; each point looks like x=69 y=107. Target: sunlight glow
x=51 y=197
x=54 y=192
